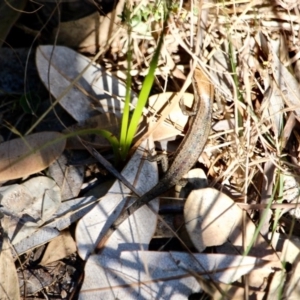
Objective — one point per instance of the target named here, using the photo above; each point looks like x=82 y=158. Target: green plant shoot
x=127 y=133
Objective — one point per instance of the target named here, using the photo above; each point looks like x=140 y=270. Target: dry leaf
x=159 y=275
x=92 y=32
x=33 y=153
x=68 y=212
x=137 y=229
x=287 y=85
x=9 y=283
x=212 y=218
x=59 y=248
x=288 y=248
x=46 y=197
x=95 y=90
x=79 y=33
x=176 y=120
x=40 y=237
x=289 y=251
x=34 y=280
x=69 y=178
x=28 y=206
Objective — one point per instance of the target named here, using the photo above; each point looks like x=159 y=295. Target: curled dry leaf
x=25 y=156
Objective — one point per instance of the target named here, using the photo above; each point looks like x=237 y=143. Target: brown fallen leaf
x=60 y=247
x=25 y=156
x=9 y=287
x=175 y=119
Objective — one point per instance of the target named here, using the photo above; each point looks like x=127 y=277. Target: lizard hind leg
x=162 y=158
x=185 y=111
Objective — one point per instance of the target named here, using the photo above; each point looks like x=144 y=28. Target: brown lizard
x=187 y=153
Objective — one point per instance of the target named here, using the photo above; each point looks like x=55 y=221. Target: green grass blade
x=126 y=111
x=142 y=100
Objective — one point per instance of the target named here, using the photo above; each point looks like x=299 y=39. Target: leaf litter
x=246 y=159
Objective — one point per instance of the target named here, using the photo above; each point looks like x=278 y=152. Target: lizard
x=187 y=153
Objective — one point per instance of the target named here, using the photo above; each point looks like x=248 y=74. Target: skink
x=189 y=150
